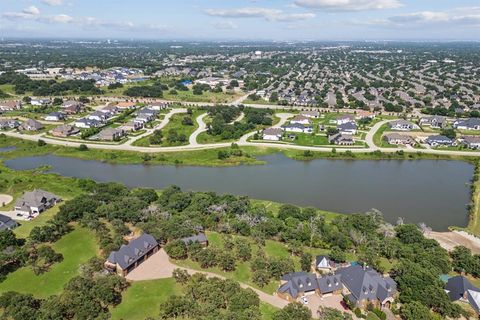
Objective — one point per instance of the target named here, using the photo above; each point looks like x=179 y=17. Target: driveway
x=334 y=301
x=159 y=266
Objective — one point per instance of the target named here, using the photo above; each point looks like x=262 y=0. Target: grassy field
x=207 y=158
x=378 y=137
x=23 y=231
x=143 y=298
x=474 y=222
x=77 y=247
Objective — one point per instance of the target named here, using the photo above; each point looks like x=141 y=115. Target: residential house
x=297 y=284
x=362 y=114
x=99 y=116
x=364 y=285
x=6 y=223
x=130 y=256
x=325 y=264
x=341 y=139
x=329 y=285
x=299 y=128
x=399 y=139
x=72 y=103
x=439 y=140
x=471 y=142
x=31 y=125
x=110 y=109
x=200 y=238
x=402 y=125
x=10 y=105
x=145 y=115
x=111 y=134
x=272 y=134
x=87 y=123
x=132 y=126
x=460 y=289
x=31 y=204
x=73 y=109
x=55 y=116
x=126 y=105
x=436 y=122
x=157 y=106
x=40 y=102
x=310 y=114
x=6 y=124
x=301 y=120
x=343 y=119
x=469 y=124
x=64 y=131
x=347 y=128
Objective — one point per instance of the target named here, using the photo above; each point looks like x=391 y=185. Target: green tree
x=293 y=311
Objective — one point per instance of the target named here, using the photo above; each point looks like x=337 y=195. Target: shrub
x=83 y=147
x=41 y=143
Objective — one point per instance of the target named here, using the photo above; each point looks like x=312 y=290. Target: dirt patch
x=450 y=240
x=5 y=199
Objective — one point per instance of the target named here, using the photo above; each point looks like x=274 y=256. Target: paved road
x=242 y=142
x=202 y=127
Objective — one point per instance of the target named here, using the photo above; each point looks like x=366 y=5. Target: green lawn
x=214 y=97
x=378 y=137
x=143 y=298
x=304 y=139
x=23 y=231
x=267 y=311
x=77 y=247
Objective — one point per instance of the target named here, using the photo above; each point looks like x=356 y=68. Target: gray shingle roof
x=457 y=286
x=366 y=283
x=201 y=237
x=36 y=198
x=6 y=223
x=128 y=254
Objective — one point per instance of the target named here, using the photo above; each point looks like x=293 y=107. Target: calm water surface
x=434 y=192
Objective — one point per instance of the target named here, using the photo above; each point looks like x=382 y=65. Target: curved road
x=202 y=127
x=242 y=142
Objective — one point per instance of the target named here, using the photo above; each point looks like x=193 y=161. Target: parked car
x=304 y=300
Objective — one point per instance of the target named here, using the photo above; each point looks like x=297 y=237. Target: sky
x=242 y=19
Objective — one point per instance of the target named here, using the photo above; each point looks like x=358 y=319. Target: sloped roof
x=366 y=283
x=330 y=283
x=457 y=286
x=201 y=237
x=36 y=198
x=128 y=254
x=298 y=282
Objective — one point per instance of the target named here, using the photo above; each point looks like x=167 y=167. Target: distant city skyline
x=242 y=19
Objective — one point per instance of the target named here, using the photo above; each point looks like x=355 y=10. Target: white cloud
x=31 y=12
x=457 y=16
x=249 y=12
x=258 y=12
x=59 y=18
x=225 y=25
x=349 y=5
x=53 y=2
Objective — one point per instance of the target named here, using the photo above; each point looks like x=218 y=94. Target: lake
x=432 y=191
